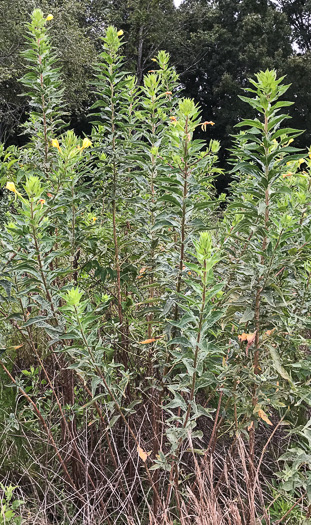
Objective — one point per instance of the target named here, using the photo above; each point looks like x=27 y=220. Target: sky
x=177 y=2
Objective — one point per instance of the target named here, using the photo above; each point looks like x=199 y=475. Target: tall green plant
x=142 y=325
x=157 y=102
x=195 y=356
x=190 y=169
x=44 y=87
x=112 y=90
x=259 y=234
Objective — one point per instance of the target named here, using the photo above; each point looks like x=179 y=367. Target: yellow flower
x=55 y=144
x=290 y=141
x=120 y=33
x=301 y=161
x=11 y=186
x=154 y=60
x=49 y=17
x=86 y=143
x=94 y=219
x=42 y=201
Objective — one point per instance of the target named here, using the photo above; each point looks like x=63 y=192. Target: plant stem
x=196 y=355
x=183 y=217
x=114 y=215
x=46 y=143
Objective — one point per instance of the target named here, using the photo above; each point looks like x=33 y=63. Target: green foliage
x=8 y=507
x=43 y=85
x=148 y=25
x=281 y=506
x=215 y=51
x=145 y=326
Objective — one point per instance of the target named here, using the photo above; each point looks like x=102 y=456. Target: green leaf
x=254 y=123
x=35 y=320
x=278 y=365
x=247 y=316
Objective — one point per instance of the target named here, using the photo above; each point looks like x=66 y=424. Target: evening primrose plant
x=111 y=106
x=195 y=355
x=191 y=171
x=155 y=340
x=156 y=103
x=265 y=246
x=43 y=87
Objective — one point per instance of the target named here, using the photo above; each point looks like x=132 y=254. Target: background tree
x=219 y=45
x=298 y=65
x=299 y=16
x=149 y=26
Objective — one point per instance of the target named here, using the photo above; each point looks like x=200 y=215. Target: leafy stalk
x=43 y=82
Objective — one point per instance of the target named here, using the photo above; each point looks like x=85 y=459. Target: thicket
x=155 y=362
